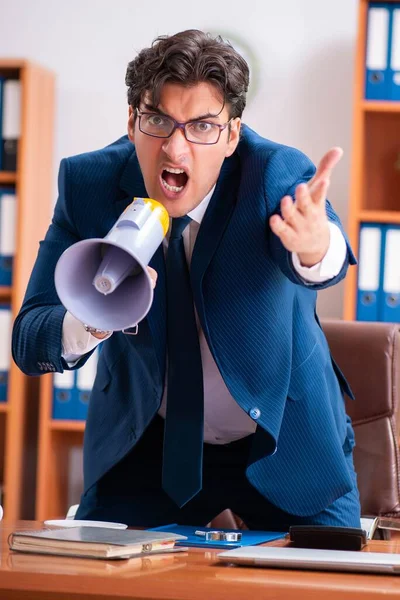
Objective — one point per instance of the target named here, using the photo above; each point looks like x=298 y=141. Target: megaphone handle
x=134 y=332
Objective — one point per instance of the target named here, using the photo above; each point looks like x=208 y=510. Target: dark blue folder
x=249 y=538
x=377 y=73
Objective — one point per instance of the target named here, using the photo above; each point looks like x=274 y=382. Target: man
x=227 y=397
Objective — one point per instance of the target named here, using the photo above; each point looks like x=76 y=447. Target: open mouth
x=174 y=180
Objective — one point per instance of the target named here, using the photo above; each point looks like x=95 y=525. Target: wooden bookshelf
x=56 y=439
x=381 y=106
x=5 y=293
x=33 y=187
x=375 y=164
x=60 y=425
x=59 y=472
x=7 y=178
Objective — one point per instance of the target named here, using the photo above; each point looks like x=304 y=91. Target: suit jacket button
x=255 y=413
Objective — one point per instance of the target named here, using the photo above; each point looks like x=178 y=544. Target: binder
x=8 y=205
x=11 y=123
x=5 y=354
x=377 y=51
x=63 y=395
x=390 y=304
x=84 y=383
x=249 y=537
x=369 y=272
x=394 y=71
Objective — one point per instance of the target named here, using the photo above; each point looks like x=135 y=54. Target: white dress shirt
x=224 y=420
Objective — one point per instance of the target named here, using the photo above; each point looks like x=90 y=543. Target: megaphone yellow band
x=159 y=211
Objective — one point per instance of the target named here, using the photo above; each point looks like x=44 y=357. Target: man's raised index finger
x=326 y=165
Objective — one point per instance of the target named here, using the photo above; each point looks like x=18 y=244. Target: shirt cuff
x=330 y=265
x=76 y=341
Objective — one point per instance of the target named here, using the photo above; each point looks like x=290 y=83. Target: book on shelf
x=11 y=123
x=94 y=542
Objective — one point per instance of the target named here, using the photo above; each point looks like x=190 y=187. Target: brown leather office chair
x=368 y=355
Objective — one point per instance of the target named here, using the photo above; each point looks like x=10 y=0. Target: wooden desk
x=194 y=575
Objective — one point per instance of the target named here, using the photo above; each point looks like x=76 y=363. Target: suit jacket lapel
x=132 y=185
x=212 y=228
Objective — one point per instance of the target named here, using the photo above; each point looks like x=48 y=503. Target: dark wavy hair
x=188 y=58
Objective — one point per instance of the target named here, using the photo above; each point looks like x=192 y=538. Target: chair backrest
x=368 y=355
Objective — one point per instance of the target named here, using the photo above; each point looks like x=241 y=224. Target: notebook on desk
x=318 y=560
x=93 y=542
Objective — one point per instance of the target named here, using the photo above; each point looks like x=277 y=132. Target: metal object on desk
x=220 y=536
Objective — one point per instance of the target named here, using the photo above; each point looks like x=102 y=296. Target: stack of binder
x=378 y=294
x=382 y=73
x=71 y=390
x=5 y=345
x=10 y=122
x=8 y=211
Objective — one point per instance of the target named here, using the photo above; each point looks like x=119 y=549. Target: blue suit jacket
x=257 y=315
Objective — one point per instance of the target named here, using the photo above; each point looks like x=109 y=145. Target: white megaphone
x=104 y=282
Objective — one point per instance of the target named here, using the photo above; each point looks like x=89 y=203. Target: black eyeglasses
x=196 y=132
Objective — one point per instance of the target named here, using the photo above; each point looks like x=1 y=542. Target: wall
x=304 y=52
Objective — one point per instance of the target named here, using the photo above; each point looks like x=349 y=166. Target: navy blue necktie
x=184 y=422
